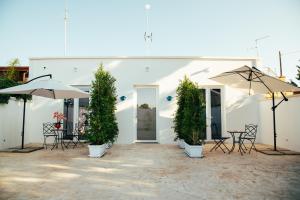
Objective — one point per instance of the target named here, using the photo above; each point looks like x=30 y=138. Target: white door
x=146 y=113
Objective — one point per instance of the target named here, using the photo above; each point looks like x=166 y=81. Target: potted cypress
x=178 y=120
x=192 y=123
x=103 y=127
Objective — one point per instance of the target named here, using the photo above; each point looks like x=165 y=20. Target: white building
x=153 y=80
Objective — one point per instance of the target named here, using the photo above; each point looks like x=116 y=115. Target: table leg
x=233 y=143
x=62 y=140
x=240 y=145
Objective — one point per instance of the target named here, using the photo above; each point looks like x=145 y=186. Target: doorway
x=146 y=113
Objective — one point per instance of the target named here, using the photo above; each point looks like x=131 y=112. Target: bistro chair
x=218 y=139
x=48 y=131
x=77 y=135
x=68 y=136
x=250 y=135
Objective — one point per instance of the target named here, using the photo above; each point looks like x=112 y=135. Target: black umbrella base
x=278 y=152
x=20 y=150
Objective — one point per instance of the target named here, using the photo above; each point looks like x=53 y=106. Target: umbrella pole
x=274 y=120
x=23 y=126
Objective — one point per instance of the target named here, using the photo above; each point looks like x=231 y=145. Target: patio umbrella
x=48 y=88
x=259 y=83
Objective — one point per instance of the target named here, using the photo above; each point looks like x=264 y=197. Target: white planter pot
x=193 y=151
x=181 y=143
x=97 y=151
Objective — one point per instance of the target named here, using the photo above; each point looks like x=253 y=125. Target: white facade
x=162 y=73
x=11 y=116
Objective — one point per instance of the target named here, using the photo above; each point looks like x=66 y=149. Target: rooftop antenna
x=147 y=34
x=256 y=43
x=66 y=23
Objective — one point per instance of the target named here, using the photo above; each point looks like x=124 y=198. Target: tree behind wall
x=11 y=73
x=6 y=83
x=298 y=73
x=103 y=123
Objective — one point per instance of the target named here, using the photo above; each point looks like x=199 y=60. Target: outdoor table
x=60 y=138
x=236 y=140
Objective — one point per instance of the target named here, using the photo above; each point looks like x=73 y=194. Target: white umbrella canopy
x=251 y=78
x=47 y=88
x=259 y=83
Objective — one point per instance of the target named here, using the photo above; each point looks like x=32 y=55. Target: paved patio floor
x=147 y=171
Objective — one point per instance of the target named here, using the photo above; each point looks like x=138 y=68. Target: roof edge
x=145 y=57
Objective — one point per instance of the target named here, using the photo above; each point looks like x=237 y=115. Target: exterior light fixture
x=122 y=98
x=169 y=98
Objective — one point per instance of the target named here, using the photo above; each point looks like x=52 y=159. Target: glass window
x=216 y=119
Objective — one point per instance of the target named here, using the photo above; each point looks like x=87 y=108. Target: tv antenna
x=66 y=17
x=256 y=43
x=148 y=34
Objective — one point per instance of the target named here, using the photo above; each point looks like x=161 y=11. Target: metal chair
x=48 y=131
x=250 y=135
x=77 y=135
x=218 y=139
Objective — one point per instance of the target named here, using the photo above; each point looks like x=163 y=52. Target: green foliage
x=298 y=73
x=179 y=115
x=145 y=106
x=103 y=124
x=10 y=80
x=293 y=83
x=11 y=73
x=190 y=116
x=6 y=83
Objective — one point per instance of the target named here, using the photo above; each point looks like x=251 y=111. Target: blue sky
x=31 y=28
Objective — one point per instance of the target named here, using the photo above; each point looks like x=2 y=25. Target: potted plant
x=103 y=127
x=193 y=118
x=58 y=116
x=179 y=115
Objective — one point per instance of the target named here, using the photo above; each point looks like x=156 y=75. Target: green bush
x=6 y=83
x=103 y=123
x=181 y=99
x=190 y=117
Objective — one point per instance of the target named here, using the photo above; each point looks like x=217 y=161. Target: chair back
x=251 y=130
x=48 y=128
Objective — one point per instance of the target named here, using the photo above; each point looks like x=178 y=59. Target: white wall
x=287 y=123
x=11 y=116
x=238 y=107
x=129 y=72
x=241 y=109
